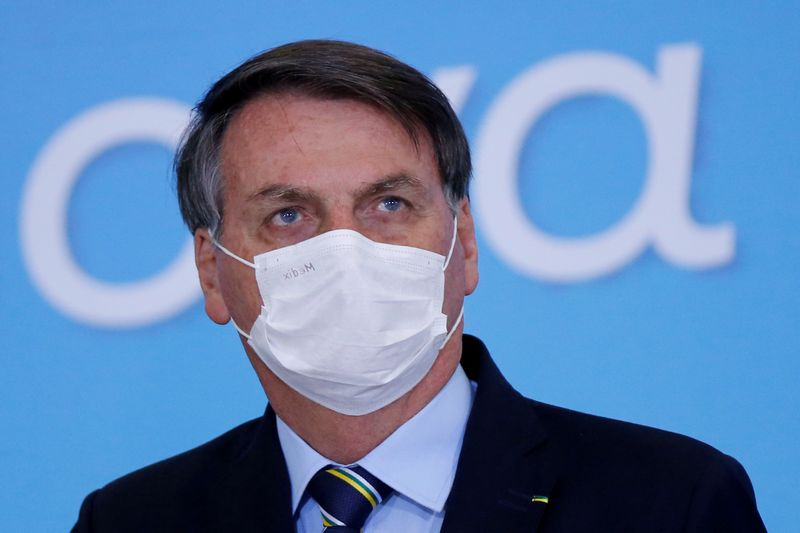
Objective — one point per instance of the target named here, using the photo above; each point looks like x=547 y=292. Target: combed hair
x=322 y=69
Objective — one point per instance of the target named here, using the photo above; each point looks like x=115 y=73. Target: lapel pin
x=540 y=499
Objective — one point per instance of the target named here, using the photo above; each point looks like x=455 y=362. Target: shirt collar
x=430 y=442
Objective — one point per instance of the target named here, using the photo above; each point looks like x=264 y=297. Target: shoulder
x=594 y=437
x=655 y=472
x=174 y=487
x=594 y=452
x=600 y=474
x=212 y=459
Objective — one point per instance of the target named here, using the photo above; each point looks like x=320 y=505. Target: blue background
x=711 y=353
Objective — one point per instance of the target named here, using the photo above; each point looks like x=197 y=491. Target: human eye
x=286 y=216
x=391 y=204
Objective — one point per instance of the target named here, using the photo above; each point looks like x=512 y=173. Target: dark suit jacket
x=596 y=474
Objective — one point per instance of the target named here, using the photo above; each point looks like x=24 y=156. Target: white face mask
x=347 y=322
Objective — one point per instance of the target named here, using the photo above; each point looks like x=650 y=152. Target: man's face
x=295 y=167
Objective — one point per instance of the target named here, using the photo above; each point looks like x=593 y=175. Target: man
x=325 y=184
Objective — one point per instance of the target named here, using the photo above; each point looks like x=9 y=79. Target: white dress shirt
x=418 y=461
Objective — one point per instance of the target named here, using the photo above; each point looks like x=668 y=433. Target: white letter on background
x=667 y=105
x=456 y=83
x=43 y=225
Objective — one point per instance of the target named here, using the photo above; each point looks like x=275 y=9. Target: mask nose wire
x=452 y=243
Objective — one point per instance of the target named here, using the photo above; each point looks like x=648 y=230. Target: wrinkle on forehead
x=414 y=132
x=257 y=145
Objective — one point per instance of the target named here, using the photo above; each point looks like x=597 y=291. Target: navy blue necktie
x=346 y=496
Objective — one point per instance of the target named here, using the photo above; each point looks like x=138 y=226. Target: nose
x=339 y=216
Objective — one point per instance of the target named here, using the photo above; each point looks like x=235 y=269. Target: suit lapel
x=257 y=494
x=506 y=471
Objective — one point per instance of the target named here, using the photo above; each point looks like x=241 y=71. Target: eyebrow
x=391 y=183
x=286 y=193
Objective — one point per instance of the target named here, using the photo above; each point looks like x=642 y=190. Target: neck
x=346 y=439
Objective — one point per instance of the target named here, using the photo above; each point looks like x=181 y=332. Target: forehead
x=282 y=107
x=285 y=135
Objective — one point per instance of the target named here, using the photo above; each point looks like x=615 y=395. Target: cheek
x=241 y=295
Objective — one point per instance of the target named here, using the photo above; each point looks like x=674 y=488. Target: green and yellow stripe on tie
x=540 y=499
x=358 y=483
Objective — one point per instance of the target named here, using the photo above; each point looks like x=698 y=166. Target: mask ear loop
x=231 y=254
x=452 y=243
x=242 y=333
x=447 y=262
x=454 y=328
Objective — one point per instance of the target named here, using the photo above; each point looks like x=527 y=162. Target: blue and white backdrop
x=635 y=193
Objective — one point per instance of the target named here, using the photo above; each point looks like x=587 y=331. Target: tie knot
x=346 y=496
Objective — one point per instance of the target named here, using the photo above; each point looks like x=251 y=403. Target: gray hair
x=324 y=69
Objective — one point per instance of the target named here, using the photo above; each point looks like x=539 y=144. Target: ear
x=466 y=236
x=205 y=257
